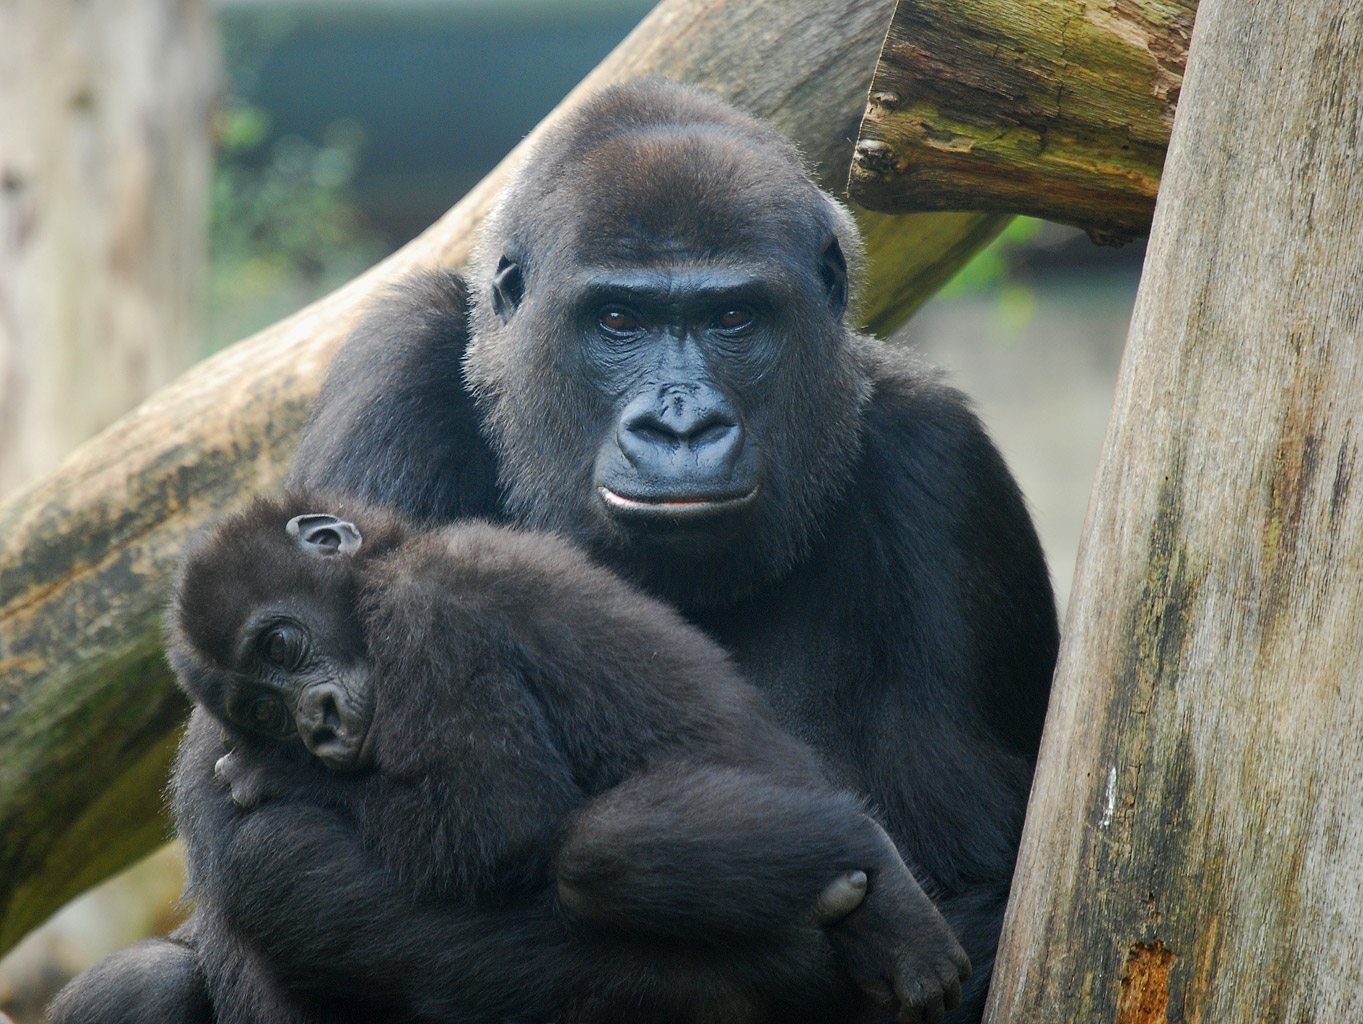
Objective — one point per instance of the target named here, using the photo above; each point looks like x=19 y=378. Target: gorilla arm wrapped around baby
x=462 y=775
x=347 y=937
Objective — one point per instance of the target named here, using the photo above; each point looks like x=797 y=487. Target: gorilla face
x=294 y=676
x=288 y=668
x=660 y=346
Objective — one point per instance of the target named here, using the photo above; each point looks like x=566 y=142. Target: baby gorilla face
x=268 y=636
x=297 y=676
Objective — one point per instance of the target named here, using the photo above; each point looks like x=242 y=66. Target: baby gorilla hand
x=898 y=949
x=246 y=782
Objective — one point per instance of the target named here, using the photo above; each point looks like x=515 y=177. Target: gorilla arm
x=291 y=882
x=394 y=423
x=345 y=927
x=294 y=881
x=151 y=982
x=331 y=921
x=692 y=850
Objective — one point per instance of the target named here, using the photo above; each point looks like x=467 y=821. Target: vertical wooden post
x=1194 y=846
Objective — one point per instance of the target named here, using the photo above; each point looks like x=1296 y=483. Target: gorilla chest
x=816 y=675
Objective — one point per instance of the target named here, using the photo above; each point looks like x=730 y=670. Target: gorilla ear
x=324 y=535
x=508 y=287
x=833 y=273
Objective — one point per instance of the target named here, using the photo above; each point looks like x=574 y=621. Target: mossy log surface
x=88 y=712
x=1193 y=849
x=1055 y=108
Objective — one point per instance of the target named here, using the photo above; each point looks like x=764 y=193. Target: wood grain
x=105 y=164
x=1055 y=108
x=1194 y=844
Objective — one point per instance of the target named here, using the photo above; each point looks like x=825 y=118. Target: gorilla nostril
x=694 y=431
x=331 y=714
x=655 y=433
x=712 y=433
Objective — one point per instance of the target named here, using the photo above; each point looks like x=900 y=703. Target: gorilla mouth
x=339 y=752
x=673 y=508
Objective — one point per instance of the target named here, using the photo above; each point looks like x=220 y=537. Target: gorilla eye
x=615 y=320
x=283 y=646
x=270 y=715
x=734 y=319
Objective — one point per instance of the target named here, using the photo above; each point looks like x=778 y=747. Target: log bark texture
x=87 y=710
x=104 y=174
x=1056 y=108
x=1194 y=845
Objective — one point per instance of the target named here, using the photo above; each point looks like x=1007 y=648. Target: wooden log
x=1194 y=845
x=87 y=711
x=1056 y=108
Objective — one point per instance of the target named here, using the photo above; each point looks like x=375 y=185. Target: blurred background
x=317 y=137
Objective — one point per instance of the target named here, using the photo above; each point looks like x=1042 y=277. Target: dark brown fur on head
x=651 y=181
x=658 y=165
x=249 y=562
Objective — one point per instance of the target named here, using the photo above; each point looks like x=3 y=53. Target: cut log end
x=1064 y=114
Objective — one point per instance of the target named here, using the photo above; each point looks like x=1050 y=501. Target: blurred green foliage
x=285 y=224
x=1015 y=302
x=990 y=265
x=290 y=194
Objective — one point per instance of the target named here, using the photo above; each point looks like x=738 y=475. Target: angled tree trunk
x=87 y=710
x=1055 y=108
x=1194 y=845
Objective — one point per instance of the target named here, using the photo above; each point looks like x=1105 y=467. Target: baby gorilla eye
x=734 y=319
x=271 y=716
x=278 y=648
x=617 y=320
x=283 y=646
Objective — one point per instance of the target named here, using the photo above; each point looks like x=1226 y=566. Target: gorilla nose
x=692 y=431
x=331 y=725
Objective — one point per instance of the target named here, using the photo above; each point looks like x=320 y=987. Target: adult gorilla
x=660 y=369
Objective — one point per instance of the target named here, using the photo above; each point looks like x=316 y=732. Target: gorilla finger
x=878 y=990
x=962 y=962
x=842 y=896
x=921 y=997
x=933 y=1011
x=952 y=995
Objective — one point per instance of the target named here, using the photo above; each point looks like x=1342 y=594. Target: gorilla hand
x=898 y=948
x=247 y=782
x=842 y=896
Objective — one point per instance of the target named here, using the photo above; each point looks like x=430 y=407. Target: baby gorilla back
x=553 y=798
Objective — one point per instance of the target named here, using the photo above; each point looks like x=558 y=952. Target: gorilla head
x=659 y=342
x=265 y=635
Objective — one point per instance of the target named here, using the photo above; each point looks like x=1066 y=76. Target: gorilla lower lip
x=674 y=508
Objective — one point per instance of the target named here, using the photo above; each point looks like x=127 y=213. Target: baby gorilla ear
x=324 y=535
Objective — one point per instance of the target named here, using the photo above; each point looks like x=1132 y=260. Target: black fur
x=154 y=980
x=884 y=589
x=525 y=732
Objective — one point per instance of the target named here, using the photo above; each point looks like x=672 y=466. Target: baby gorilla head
x=264 y=633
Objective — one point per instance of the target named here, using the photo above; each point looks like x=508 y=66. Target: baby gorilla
x=468 y=775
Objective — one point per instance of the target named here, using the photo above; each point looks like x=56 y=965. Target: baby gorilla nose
x=332 y=726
